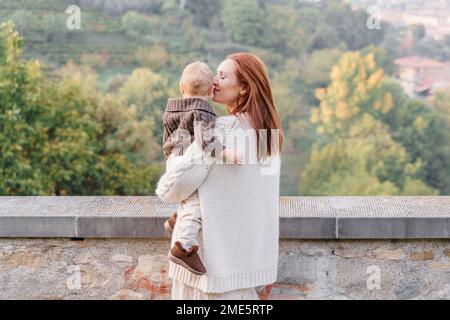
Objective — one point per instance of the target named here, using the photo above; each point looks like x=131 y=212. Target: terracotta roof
x=419 y=62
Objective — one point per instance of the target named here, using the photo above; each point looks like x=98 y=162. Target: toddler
x=187 y=120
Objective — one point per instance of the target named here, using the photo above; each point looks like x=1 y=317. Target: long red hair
x=257 y=101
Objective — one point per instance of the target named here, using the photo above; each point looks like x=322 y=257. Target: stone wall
x=62 y=268
x=330 y=248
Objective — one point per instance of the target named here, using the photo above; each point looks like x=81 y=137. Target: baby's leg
x=189 y=221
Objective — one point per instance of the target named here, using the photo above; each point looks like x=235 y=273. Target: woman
x=239 y=203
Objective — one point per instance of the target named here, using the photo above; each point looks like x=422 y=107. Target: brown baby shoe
x=169 y=224
x=188 y=259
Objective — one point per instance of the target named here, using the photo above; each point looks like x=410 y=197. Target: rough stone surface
x=136 y=269
x=122 y=258
x=422 y=255
x=388 y=254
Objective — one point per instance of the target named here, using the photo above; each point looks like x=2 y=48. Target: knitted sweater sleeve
x=188 y=172
x=184 y=176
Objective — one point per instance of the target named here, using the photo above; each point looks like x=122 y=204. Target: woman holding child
x=225 y=233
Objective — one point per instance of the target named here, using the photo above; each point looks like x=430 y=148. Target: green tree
x=64 y=137
x=438 y=164
x=144 y=88
x=244 y=20
x=148 y=91
x=418 y=31
x=202 y=10
x=351 y=26
x=355 y=153
x=288 y=28
x=25 y=21
x=21 y=133
x=139 y=25
x=423 y=129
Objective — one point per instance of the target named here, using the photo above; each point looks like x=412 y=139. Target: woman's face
x=226 y=86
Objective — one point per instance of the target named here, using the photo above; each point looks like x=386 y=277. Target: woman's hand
x=234 y=156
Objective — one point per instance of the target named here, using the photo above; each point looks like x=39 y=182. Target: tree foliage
x=63 y=137
x=356 y=153
x=244 y=20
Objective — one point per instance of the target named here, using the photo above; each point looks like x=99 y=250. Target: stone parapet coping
x=336 y=217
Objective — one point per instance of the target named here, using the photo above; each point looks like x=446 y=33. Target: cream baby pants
x=189 y=220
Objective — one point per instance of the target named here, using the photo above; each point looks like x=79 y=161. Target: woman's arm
x=188 y=172
x=184 y=176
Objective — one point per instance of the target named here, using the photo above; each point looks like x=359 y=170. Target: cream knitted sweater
x=239 y=207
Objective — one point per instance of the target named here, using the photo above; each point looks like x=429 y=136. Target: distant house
x=437 y=24
x=422 y=77
x=436 y=21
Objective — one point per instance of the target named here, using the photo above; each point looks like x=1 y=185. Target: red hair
x=257 y=100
